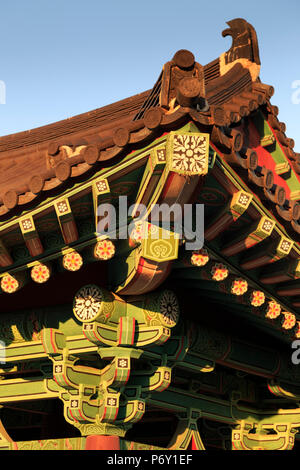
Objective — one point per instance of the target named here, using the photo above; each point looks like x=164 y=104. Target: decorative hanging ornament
x=104 y=250
x=239 y=287
x=257 y=298
x=9 y=284
x=87 y=303
x=219 y=272
x=40 y=273
x=200 y=257
x=273 y=310
x=289 y=320
x=72 y=261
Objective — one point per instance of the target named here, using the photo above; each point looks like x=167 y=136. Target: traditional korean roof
x=35 y=162
x=53 y=177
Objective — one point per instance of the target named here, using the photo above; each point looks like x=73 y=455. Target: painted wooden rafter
x=66 y=220
x=31 y=236
x=187 y=164
x=249 y=237
x=40 y=272
x=290 y=289
x=101 y=193
x=232 y=211
x=71 y=260
x=284 y=390
x=5 y=258
x=151 y=180
x=291 y=271
x=183 y=154
x=262 y=256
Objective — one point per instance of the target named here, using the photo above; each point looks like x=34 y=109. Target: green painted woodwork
x=71 y=443
x=281 y=438
x=187 y=433
x=282 y=166
x=160 y=245
x=114 y=360
x=23 y=327
x=17 y=390
x=227 y=411
x=152 y=181
x=253 y=234
x=281 y=389
x=117 y=393
x=268 y=140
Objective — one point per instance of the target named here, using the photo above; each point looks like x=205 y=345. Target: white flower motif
x=122 y=363
x=112 y=402
x=189 y=154
x=267 y=226
x=169 y=307
x=101 y=185
x=87 y=302
x=243 y=199
x=285 y=246
x=27 y=224
x=161 y=155
x=62 y=207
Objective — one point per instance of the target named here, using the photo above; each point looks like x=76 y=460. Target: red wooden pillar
x=99 y=442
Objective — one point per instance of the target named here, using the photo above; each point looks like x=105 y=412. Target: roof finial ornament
x=244 y=48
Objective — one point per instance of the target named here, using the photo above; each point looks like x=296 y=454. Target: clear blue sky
x=59 y=58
